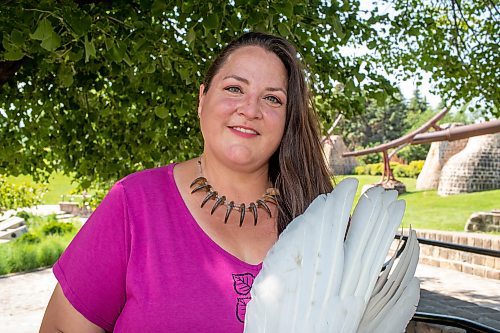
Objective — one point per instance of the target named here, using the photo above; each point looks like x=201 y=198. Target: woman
x=176 y=248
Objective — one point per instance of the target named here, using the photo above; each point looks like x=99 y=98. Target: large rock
x=476 y=168
x=439 y=153
x=484 y=221
x=334 y=147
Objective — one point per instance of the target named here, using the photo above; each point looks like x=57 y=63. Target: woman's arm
x=61 y=316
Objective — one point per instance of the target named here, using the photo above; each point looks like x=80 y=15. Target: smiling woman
x=155 y=256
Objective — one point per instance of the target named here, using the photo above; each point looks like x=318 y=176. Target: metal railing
x=469 y=326
x=458 y=247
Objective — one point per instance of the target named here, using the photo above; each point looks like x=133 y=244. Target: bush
x=399 y=170
x=29 y=238
x=59 y=228
x=415 y=167
x=414 y=152
x=13 y=196
x=40 y=247
x=23 y=258
x=49 y=252
x=376 y=169
x=361 y=170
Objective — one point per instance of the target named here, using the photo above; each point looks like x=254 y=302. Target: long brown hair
x=297 y=168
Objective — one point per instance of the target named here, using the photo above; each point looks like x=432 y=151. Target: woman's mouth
x=245 y=131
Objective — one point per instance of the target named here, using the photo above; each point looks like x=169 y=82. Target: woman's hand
x=61 y=316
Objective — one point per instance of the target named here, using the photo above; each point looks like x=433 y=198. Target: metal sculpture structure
x=419 y=136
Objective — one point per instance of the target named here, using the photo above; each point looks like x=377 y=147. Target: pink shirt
x=141 y=263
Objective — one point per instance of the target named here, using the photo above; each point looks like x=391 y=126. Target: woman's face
x=242 y=115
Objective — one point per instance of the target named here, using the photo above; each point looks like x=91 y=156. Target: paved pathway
x=23 y=297
x=449 y=292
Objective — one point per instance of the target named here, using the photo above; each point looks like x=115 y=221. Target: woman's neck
x=241 y=186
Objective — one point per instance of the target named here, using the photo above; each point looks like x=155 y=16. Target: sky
x=409 y=86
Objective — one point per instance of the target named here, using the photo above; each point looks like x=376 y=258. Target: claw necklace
x=201 y=183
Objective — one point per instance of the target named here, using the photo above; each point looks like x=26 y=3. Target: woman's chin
x=244 y=158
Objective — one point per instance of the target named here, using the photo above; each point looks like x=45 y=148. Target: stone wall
x=333 y=148
x=476 y=168
x=475 y=264
x=439 y=153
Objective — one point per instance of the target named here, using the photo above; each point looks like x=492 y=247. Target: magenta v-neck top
x=141 y=263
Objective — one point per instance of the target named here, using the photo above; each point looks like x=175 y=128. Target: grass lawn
x=424 y=209
x=58 y=185
x=428 y=210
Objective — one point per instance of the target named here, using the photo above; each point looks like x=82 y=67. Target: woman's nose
x=250 y=109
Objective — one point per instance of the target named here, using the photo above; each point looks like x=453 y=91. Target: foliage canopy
x=103 y=88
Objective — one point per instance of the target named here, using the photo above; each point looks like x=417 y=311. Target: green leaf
x=65 y=76
x=360 y=76
x=158 y=7
x=287 y=9
x=75 y=56
x=13 y=54
x=191 y=36
x=211 y=41
x=43 y=31
x=211 y=21
x=181 y=111
x=150 y=68
x=162 y=112
x=89 y=49
x=127 y=59
x=109 y=42
x=52 y=42
x=17 y=37
x=79 y=21
x=283 y=29
x=337 y=27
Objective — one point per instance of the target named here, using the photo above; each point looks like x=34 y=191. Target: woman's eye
x=274 y=100
x=233 y=89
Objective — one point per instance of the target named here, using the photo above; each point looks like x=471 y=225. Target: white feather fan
x=314 y=281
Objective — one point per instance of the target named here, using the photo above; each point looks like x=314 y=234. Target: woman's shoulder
x=148 y=180
x=149 y=177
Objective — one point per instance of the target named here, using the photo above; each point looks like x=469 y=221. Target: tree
x=103 y=88
x=378 y=124
x=456 y=41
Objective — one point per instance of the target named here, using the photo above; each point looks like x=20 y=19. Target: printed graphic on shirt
x=242 y=285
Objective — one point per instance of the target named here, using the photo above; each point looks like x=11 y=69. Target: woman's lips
x=243 y=131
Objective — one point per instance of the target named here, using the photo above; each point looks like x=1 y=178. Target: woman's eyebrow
x=276 y=89
x=238 y=78
x=242 y=79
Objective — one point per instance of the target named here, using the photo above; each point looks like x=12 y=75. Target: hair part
x=297 y=168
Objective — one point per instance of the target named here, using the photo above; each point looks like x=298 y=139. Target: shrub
x=59 y=228
x=360 y=170
x=23 y=214
x=376 y=169
x=415 y=167
x=13 y=196
x=49 y=252
x=399 y=170
x=414 y=152
x=40 y=247
x=23 y=258
x=29 y=238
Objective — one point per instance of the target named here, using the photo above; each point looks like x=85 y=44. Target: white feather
x=313 y=281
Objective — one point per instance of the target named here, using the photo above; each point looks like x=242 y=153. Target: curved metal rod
x=439 y=319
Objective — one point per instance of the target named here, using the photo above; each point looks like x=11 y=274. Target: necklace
x=201 y=183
